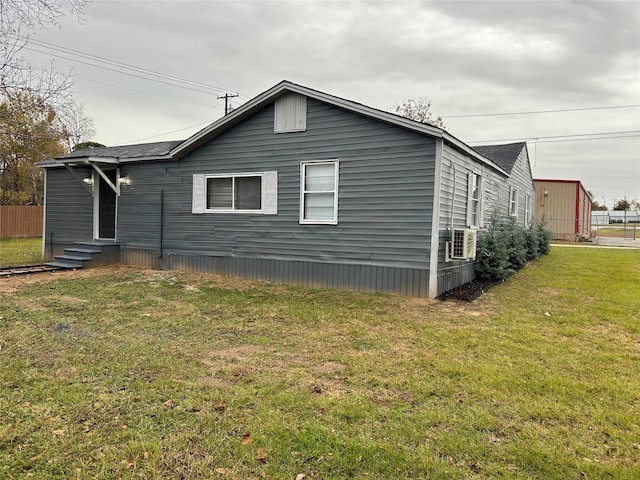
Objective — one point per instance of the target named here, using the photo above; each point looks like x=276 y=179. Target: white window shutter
x=270 y=193
x=199 y=194
x=469 y=199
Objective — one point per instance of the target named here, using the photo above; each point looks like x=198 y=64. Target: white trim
x=435 y=223
x=96 y=205
x=336 y=166
x=513 y=201
x=528 y=203
x=198 y=194
x=233 y=176
x=44 y=215
x=270 y=193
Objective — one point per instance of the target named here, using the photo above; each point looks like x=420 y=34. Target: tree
x=19 y=19
x=87 y=146
x=595 y=207
x=29 y=134
x=76 y=125
x=420 y=111
x=622 y=205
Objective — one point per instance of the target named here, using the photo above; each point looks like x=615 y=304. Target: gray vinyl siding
x=385 y=192
x=69 y=212
x=495 y=196
x=382 y=238
x=522 y=180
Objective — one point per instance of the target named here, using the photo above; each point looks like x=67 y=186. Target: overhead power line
x=567 y=138
x=124 y=68
x=538 y=111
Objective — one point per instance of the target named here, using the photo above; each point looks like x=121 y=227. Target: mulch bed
x=468 y=292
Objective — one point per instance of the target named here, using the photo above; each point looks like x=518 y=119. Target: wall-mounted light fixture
x=88 y=181
x=124 y=180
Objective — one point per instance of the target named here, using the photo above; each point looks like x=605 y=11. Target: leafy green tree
x=622 y=205
x=596 y=207
x=29 y=134
x=87 y=145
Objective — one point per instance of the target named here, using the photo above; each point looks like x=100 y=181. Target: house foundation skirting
x=451 y=276
x=365 y=278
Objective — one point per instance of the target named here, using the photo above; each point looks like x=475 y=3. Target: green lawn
x=16 y=252
x=173 y=375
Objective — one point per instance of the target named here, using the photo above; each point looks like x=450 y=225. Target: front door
x=107 y=200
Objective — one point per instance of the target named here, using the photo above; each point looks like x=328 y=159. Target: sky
x=562 y=75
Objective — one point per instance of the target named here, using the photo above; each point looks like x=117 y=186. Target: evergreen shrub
x=505 y=248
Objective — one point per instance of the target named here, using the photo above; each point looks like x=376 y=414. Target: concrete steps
x=86 y=254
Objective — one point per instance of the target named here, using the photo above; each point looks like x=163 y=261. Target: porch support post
x=81 y=180
x=115 y=188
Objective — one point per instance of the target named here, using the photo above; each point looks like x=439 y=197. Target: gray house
x=295 y=186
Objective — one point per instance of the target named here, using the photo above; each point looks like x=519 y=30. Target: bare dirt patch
x=214 y=382
x=329 y=368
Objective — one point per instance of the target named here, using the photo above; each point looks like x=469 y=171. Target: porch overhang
x=96 y=164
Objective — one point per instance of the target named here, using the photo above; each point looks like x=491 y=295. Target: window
x=236 y=193
x=527 y=211
x=474 y=200
x=513 y=202
x=319 y=192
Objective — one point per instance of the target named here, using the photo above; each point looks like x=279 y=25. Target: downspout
x=453 y=197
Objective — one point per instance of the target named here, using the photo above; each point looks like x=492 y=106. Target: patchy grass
x=174 y=375
x=15 y=252
x=619 y=231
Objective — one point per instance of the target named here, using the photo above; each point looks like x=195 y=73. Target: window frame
x=513 y=202
x=474 y=201
x=304 y=193
x=528 y=204
x=268 y=193
x=233 y=177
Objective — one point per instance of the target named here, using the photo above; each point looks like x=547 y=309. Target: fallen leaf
x=512 y=468
x=262 y=455
x=170 y=403
x=246 y=439
x=300 y=476
x=223 y=471
x=221 y=407
x=58 y=432
x=37 y=457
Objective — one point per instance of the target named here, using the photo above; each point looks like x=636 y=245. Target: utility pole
x=226 y=97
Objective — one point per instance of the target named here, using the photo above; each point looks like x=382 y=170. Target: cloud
x=466 y=56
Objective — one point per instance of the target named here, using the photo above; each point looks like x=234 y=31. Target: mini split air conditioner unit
x=463 y=244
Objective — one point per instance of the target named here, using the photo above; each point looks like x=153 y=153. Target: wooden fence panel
x=20 y=221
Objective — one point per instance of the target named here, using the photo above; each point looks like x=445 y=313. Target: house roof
x=286 y=86
x=176 y=150
x=138 y=152
x=504 y=155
